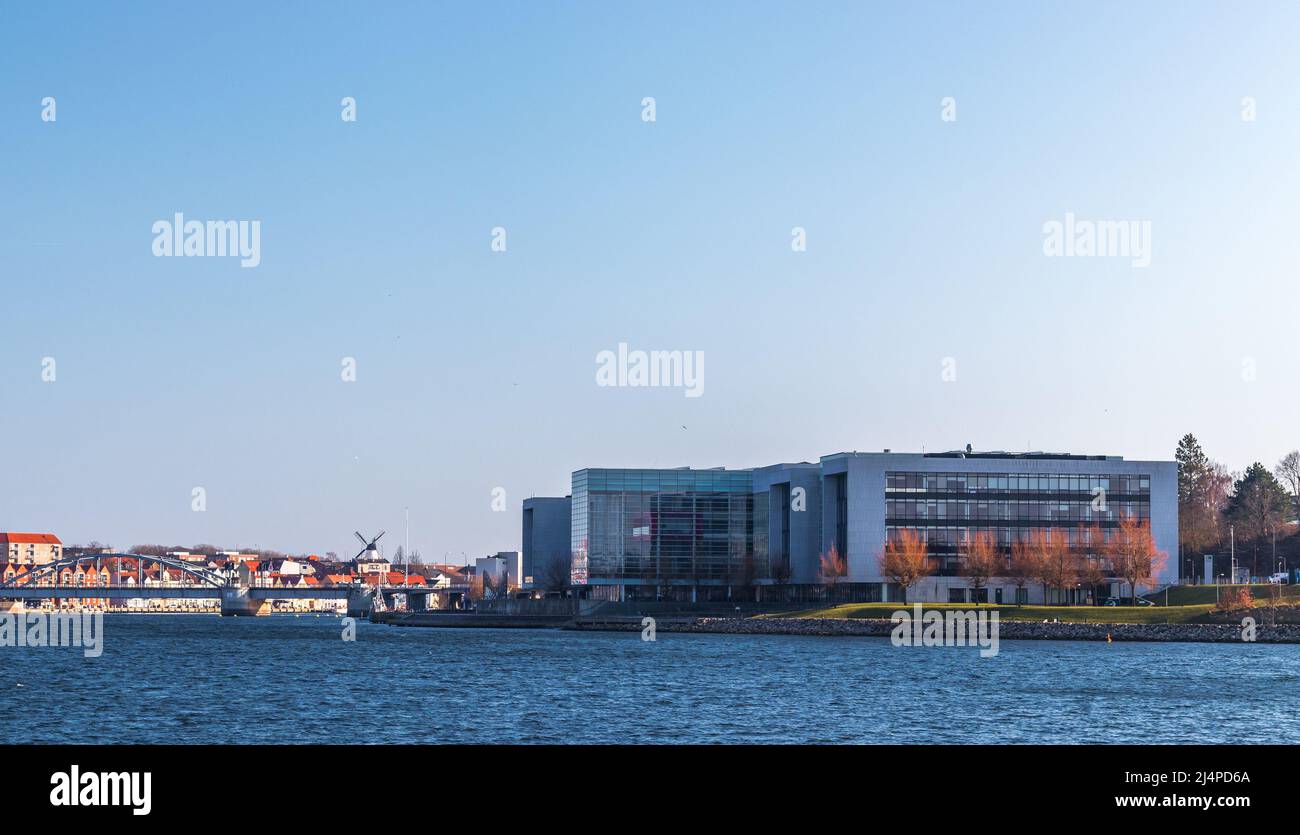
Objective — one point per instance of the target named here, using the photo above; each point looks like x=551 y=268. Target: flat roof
x=989 y=455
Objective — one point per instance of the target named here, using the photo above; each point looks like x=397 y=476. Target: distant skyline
x=924 y=313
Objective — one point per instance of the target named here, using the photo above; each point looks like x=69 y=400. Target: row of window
x=1009 y=511
x=622 y=567
x=618 y=533
x=896 y=482
x=955 y=538
x=960 y=595
x=665 y=481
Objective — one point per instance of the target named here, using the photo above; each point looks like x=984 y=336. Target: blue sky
x=475 y=369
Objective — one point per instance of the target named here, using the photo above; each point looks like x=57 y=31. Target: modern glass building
x=690 y=534
x=637 y=531
x=951 y=508
x=868 y=498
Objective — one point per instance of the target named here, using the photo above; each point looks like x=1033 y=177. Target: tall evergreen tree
x=1192 y=466
x=1257 y=508
x=1202 y=493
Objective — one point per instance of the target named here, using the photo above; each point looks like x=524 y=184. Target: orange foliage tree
x=1132 y=553
x=1022 y=569
x=1090 y=570
x=831 y=568
x=1053 y=561
x=905 y=560
x=981 y=561
x=1235 y=598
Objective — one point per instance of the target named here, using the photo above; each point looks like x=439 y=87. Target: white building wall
x=866 y=505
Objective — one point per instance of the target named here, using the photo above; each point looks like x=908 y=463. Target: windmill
x=368 y=560
x=369 y=549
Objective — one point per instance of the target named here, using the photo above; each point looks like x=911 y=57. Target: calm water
x=207 y=679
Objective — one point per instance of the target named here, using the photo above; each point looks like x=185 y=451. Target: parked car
x=1115 y=601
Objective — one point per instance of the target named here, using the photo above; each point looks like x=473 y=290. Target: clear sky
x=476 y=369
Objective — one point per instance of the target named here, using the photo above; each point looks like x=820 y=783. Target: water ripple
x=197 y=679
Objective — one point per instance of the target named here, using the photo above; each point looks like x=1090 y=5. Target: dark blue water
x=196 y=678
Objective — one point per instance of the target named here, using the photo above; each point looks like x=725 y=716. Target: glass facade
x=762 y=547
x=651 y=527
x=1010 y=506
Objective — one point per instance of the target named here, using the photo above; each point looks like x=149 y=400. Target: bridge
x=204 y=584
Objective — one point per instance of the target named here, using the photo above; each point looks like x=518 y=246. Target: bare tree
x=555 y=573
x=743 y=575
x=1055 y=562
x=1132 y=553
x=981 y=561
x=1288 y=472
x=1021 y=569
x=905 y=561
x=1089 y=566
x=831 y=568
x=1235 y=598
x=780 y=570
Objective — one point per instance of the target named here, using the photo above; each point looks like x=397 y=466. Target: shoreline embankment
x=1008 y=630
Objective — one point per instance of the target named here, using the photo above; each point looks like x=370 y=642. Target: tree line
x=1255 y=509
x=1042 y=557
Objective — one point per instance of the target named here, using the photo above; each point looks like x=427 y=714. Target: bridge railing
x=56 y=569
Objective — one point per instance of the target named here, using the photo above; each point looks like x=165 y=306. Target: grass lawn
x=1069 y=614
x=1204 y=595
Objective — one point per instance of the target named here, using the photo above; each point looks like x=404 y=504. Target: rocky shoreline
x=1007 y=630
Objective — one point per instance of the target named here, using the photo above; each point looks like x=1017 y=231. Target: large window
x=950 y=507
x=653 y=526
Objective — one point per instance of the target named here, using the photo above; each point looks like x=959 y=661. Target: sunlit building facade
x=949 y=497
x=637 y=531
x=690 y=534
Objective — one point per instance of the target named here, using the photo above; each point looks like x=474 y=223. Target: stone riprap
x=1007 y=630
